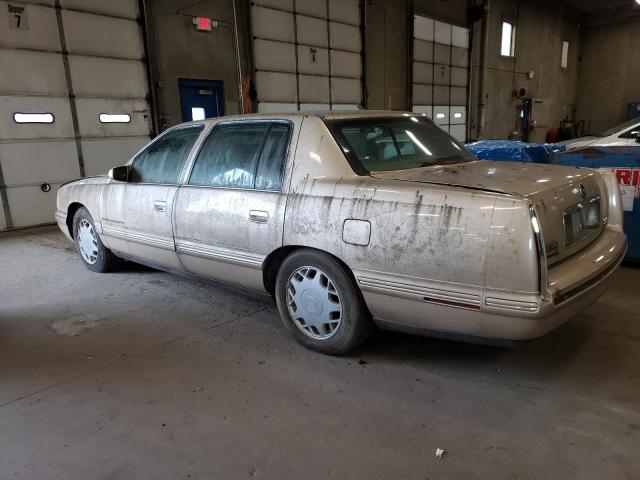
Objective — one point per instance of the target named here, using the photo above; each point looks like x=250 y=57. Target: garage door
x=441 y=73
x=73 y=98
x=307 y=54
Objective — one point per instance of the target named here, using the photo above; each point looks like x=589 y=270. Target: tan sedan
x=356 y=219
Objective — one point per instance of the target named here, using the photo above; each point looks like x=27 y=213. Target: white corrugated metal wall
x=441 y=73
x=307 y=54
x=76 y=60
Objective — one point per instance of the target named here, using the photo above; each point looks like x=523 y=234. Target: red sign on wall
x=627 y=177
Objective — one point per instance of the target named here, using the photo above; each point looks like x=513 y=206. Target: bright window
x=507 y=44
x=33 y=117
x=564 y=61
x=115 y=118
x=197 y=113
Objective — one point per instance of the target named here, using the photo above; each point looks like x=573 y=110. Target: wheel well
x=272 y=265
x=71 y=212
x=275 y=259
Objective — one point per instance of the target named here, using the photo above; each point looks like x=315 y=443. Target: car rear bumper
x=573 y=285
x=579 y=281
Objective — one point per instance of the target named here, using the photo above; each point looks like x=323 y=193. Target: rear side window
x=271 y=165
x=242 y=155
x=162 y=161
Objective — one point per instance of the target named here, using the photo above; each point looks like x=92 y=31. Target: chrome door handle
x=258 y=216
x=160 y=206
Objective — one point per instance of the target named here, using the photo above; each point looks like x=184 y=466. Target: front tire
x=95 y=256
x=320 y=304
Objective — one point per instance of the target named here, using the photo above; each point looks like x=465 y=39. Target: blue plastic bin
x=513 y=151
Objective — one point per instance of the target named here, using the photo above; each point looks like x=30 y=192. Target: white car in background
x=624 y=135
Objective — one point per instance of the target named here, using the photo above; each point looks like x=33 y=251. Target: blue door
x=200 y=99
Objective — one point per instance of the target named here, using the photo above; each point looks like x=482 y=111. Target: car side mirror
x=120 y=174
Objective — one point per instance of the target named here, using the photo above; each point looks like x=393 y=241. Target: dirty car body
x=448 y=246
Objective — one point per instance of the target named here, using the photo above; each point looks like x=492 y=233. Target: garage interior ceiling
x=599 y=11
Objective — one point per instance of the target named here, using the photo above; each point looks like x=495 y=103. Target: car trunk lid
x=563 y=197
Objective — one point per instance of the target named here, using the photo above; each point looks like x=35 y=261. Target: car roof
x=322 y=114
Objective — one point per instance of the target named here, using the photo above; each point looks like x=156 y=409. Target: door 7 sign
x=17 y=14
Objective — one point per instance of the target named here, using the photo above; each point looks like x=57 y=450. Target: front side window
x=162 y=161
x=396 y=143
x=242 y=155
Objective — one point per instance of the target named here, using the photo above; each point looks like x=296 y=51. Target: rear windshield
x=396 y=143
x=621 y=128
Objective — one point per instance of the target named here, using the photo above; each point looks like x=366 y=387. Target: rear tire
x=320 y=303
x=95 y=256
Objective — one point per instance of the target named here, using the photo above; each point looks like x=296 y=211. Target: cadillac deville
x=356 y=219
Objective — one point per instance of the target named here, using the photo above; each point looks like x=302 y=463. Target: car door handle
x=160 y=206
x=258 y=216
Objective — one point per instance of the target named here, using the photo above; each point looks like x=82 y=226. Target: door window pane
x=162 y=161
x=269 y=176
x=229 y=156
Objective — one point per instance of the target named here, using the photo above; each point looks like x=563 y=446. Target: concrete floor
x=144 y=375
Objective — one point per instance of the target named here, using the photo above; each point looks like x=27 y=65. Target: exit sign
x=204 y=24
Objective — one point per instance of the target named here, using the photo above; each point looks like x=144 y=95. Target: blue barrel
x=625 y=162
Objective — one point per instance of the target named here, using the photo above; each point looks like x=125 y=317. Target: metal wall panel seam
x=149 y=32
x=56 y=52
x=269 y=7
x=5 y=202
x=72 y=99
x=295 y=43
x=38 y=184
x=67 y=139
x=329 y=56
x=84 y=97
x=363 y=54
x=267 y=39
x=108 y=15
x=309 y=74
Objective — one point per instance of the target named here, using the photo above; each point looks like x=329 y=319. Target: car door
x=112 y=210
x=150 y=193
x=229 y=214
